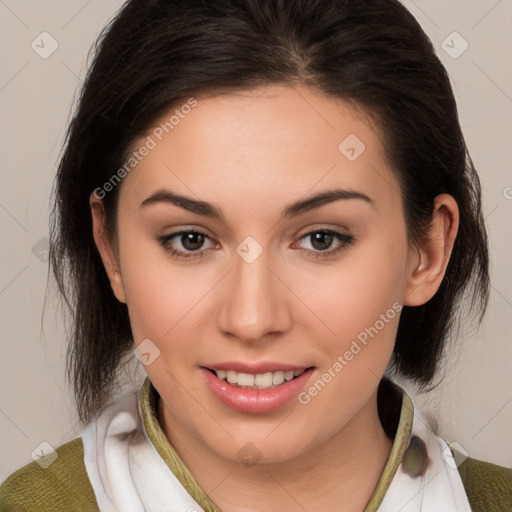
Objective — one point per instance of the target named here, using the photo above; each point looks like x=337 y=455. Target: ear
x=430 y=256
x=105 y=247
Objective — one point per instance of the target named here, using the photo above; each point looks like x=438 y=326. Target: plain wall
x=473 y=404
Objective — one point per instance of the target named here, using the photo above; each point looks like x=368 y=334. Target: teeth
x=246 y=379
x=258 y=381
x=232 y=377
x=263 y=380
x=277 y=378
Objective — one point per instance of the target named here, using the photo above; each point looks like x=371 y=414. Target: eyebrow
x=292 y=210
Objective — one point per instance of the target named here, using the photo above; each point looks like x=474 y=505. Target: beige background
x=473 y=405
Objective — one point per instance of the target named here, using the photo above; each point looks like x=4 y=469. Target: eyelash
x=346 y=241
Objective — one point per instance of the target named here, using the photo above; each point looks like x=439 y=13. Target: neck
x=344 y=469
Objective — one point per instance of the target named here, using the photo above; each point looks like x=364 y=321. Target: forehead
x=269 y=144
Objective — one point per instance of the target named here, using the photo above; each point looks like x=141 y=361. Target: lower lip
x=255 y=400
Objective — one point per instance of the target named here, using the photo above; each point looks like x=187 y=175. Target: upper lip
x=255 y=368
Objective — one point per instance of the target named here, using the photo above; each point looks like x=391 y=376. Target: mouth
x=265 y=380
x=260 y=388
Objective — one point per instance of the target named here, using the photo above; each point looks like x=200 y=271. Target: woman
x=273 y=202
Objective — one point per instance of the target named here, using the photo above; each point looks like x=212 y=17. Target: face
x=288 y=259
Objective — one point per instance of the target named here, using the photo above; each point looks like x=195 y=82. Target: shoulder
x=56 y=482
x=488 y=486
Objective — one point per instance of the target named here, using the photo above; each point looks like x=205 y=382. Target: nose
x=255 y=304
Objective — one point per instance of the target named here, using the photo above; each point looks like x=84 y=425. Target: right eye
x=184 y=244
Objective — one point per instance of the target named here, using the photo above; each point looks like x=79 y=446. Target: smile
x=260 y=388
x=258 y=381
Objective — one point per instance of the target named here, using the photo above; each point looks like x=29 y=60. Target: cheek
x=158 y=293
x=362 y=307
x=365 y=284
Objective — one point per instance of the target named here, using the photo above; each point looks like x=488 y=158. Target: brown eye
x=321 y=240
x=325 y=242
x=192 y=240
x=185 y=244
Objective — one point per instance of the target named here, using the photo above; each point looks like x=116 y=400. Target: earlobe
x=429 y=258
x=105 y=248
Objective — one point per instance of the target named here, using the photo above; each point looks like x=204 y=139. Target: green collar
x=398 y=427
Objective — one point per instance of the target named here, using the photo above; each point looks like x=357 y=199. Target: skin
x=251 y=154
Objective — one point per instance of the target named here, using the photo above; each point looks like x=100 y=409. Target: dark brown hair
x=155 y=54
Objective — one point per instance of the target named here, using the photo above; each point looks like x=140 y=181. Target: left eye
x=321 y=241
